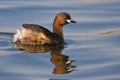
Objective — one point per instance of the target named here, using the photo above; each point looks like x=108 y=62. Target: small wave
x=110 y=32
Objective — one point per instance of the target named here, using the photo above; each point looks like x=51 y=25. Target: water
x=92 y=52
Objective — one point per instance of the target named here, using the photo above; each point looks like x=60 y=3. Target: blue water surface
x=92 y=51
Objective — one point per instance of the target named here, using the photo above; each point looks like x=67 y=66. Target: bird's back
x=33 y=34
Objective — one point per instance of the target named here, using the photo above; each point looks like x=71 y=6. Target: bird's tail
x=16 y=35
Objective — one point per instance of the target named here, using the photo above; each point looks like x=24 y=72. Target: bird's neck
x=58 y=30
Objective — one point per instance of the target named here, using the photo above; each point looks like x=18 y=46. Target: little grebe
x=32 y=34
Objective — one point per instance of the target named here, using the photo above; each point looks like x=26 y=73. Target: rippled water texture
x=92 y=51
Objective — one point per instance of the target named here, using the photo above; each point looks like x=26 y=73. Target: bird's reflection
x=62 y=62
x=34 y=49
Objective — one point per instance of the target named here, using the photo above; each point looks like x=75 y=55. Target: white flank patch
x=16 y=35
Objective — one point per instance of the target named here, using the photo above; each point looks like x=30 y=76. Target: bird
x=33 y=34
